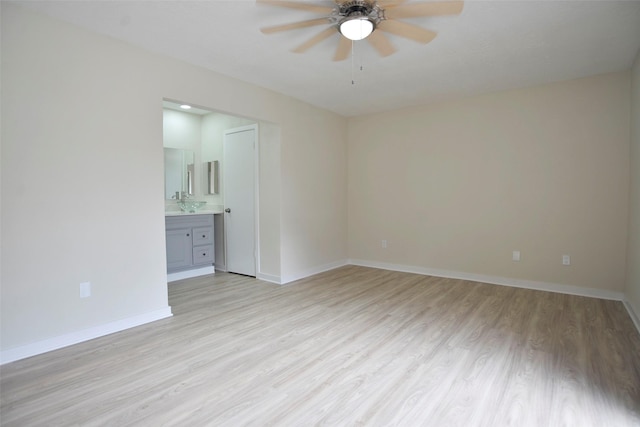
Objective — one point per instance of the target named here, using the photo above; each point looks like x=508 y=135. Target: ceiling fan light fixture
x=356 y=28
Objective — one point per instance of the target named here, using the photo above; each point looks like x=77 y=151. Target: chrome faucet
x=181 y=195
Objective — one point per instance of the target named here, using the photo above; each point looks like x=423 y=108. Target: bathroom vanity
x=190 y=242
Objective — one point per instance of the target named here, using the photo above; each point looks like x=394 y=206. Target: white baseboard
x=293 y=277
x=495 y=280
x=635 y=317
x=50 y=344
x=310 y=272
x=187 y=274
x=55 y=343
x=269 y=278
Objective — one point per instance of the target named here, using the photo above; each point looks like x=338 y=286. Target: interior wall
x=459 y=186
x=314 y=197
x=270 y=181
x=182 y=130
x=632 y=289
x=91 y=205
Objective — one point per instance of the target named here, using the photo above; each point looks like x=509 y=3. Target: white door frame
x=256 y=204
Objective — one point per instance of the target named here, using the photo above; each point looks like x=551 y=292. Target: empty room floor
x=353 y=346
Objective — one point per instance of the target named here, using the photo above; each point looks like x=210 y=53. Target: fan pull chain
x=353 y=47
x=353 y=63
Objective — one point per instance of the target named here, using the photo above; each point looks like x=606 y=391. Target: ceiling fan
x=360 y=19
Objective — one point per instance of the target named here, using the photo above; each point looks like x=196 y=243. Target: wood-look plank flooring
x=351 y=347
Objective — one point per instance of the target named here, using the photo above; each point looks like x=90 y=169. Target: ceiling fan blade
x=326 y=33
x=408 y=31
x=381 y=43
x=297 y=5
x=295 y=25
x=410 y=10
x=343 y=50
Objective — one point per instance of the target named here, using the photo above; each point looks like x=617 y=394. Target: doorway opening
x=200 y=133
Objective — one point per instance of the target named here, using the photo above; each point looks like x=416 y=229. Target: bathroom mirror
x=178 y=172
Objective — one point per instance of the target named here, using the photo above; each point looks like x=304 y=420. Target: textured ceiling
x=491 y=46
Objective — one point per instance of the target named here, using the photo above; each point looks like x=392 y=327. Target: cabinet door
x=179 y=249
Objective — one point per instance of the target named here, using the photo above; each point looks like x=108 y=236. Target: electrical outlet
x=566 y=260
x=85 y=289
x=515 y=256
x=383 y=243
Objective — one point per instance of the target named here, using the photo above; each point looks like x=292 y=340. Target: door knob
x=227 y=210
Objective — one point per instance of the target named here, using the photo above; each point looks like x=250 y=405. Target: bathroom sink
x=190 y=205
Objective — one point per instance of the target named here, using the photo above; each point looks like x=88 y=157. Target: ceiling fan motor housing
x=359 y=9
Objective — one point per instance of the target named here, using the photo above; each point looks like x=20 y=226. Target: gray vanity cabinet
x=189 y=242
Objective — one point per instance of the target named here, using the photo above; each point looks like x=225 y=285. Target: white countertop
x=200 y=212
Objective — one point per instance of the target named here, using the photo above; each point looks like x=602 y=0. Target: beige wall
x=82 y=168
x=632 y=290
x=458 y=186
x=269 y=216
x=314 y=183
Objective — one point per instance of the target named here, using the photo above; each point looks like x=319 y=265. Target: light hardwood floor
x=351 y=347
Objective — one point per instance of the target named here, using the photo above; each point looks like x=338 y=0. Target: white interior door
x=240 y=199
